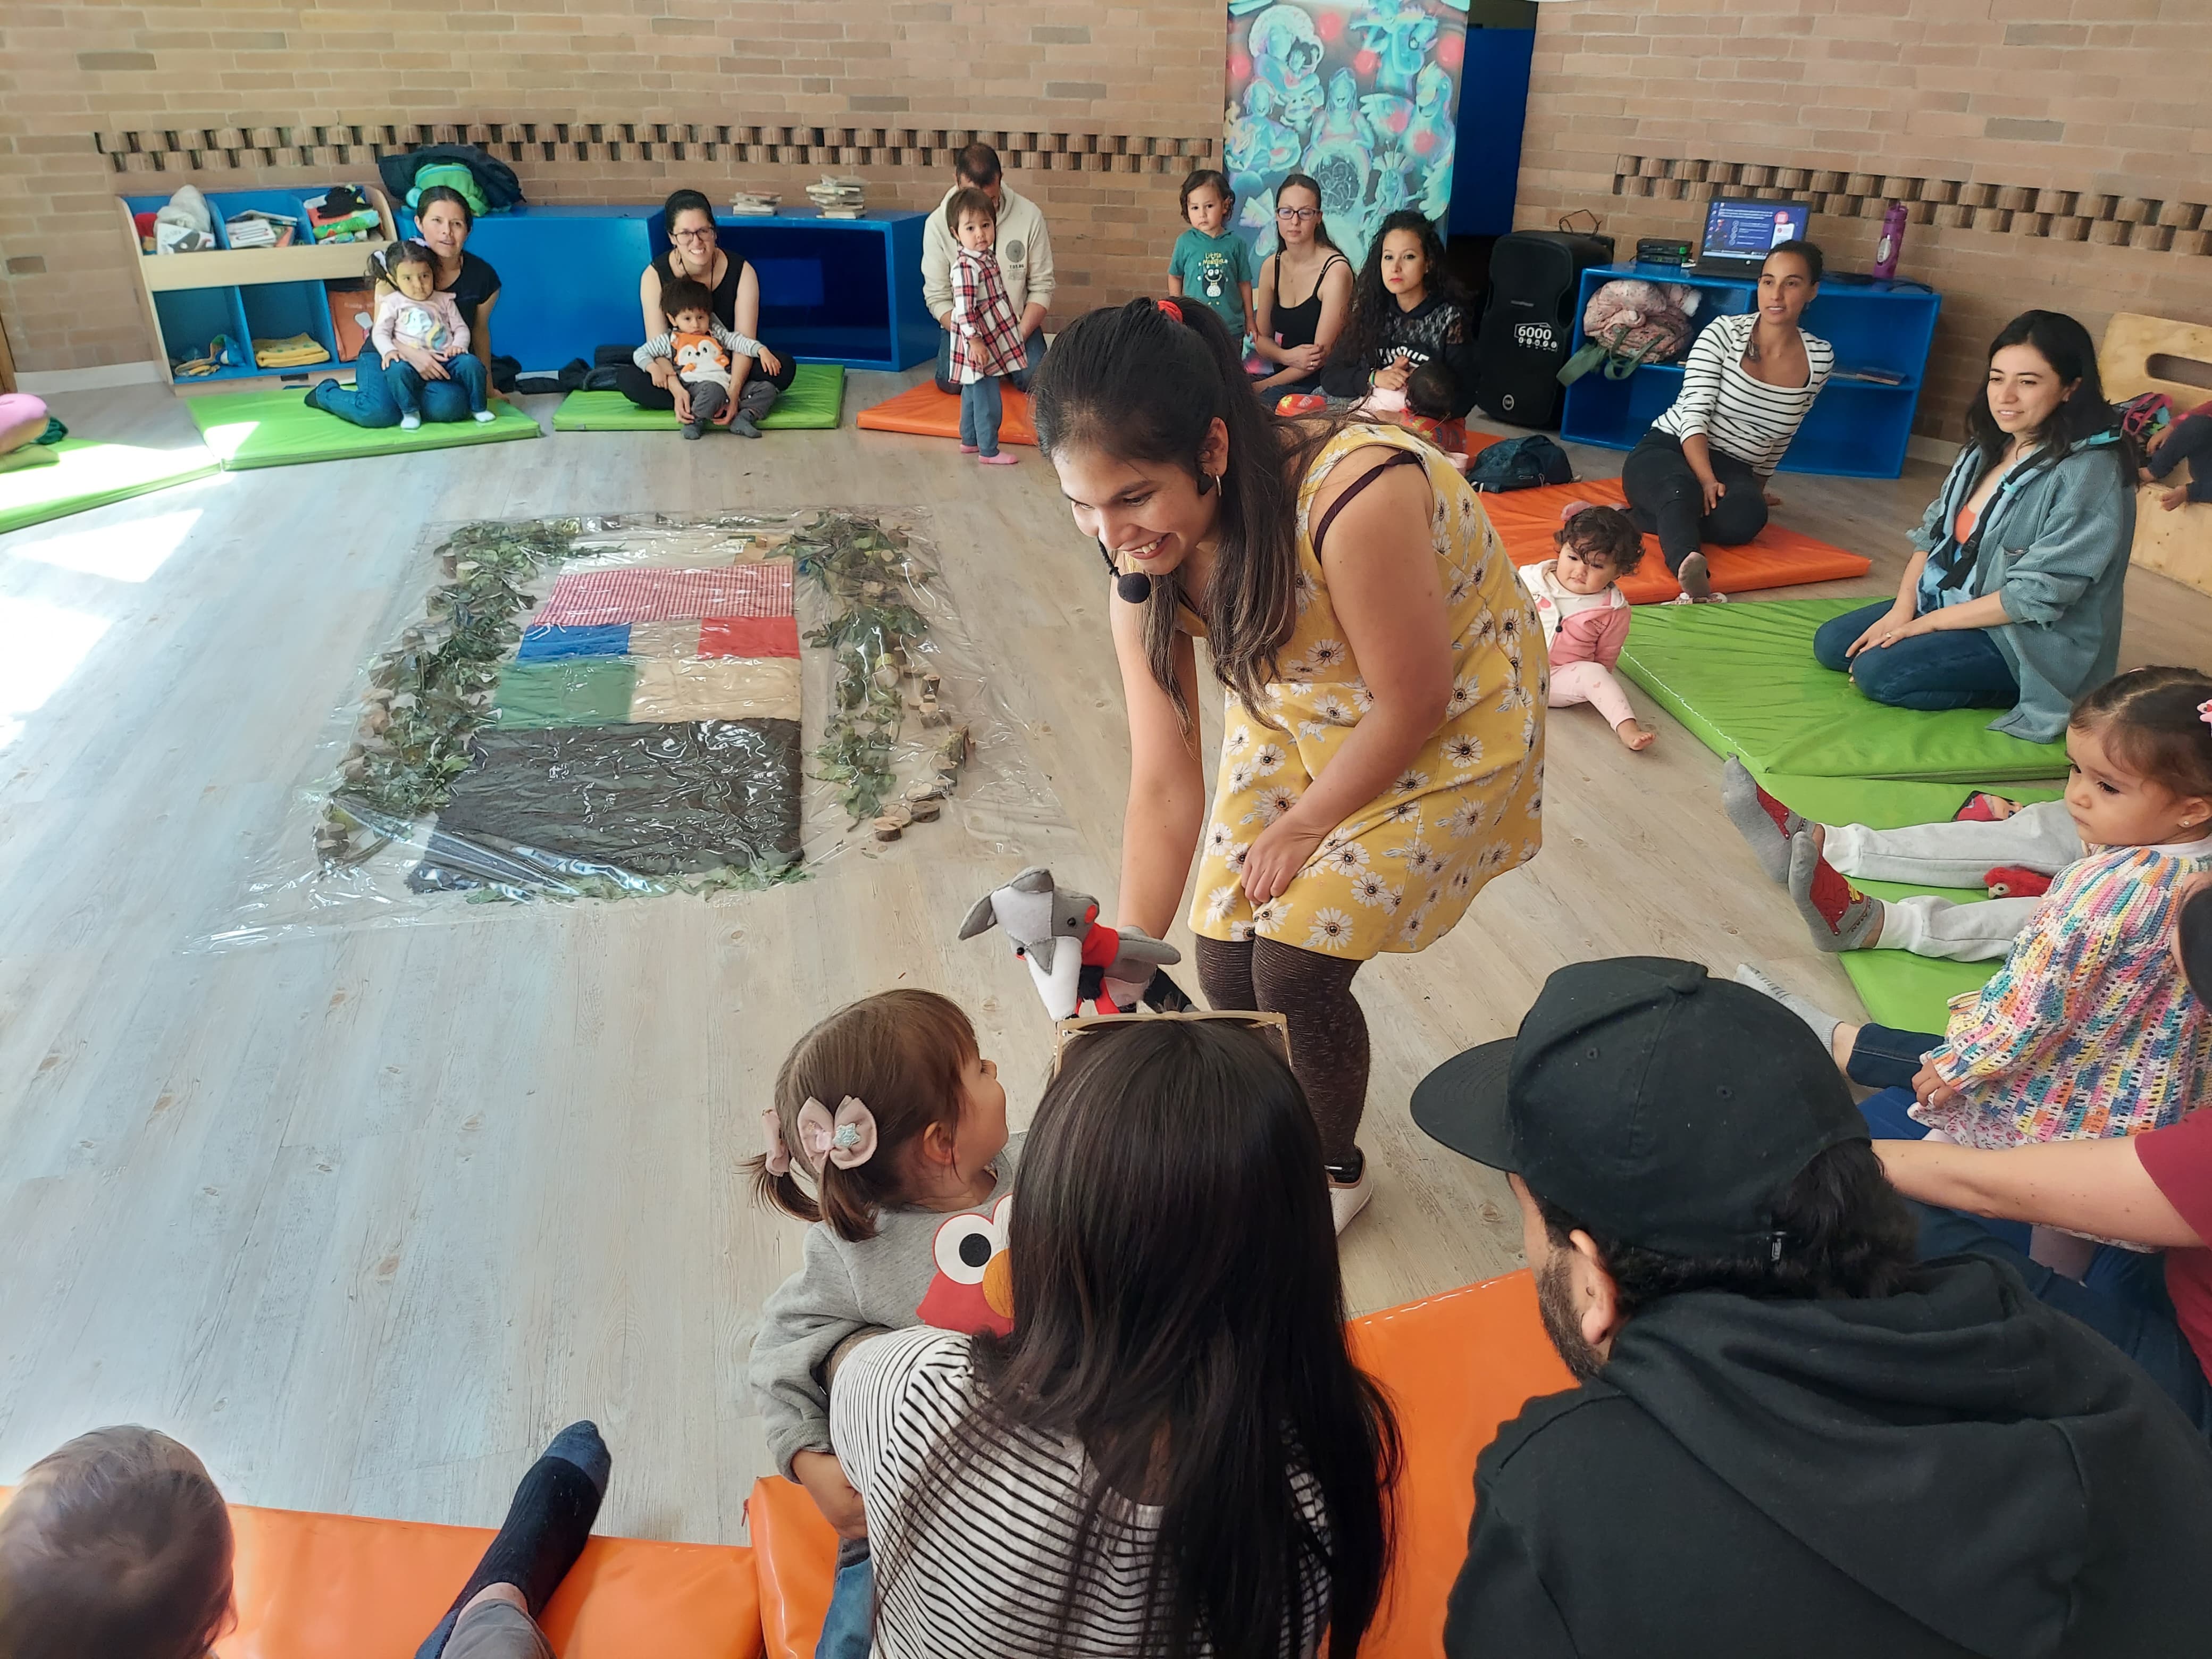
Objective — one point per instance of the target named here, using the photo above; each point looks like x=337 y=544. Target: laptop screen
x=1745 y=230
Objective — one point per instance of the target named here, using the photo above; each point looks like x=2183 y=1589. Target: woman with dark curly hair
x=1407 y=309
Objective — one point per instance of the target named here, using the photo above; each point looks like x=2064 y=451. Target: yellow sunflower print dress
x=1401 y=872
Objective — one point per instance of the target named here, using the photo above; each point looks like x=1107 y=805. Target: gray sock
x=1823 y=1023
x=1839 y=915
x=1761 y=819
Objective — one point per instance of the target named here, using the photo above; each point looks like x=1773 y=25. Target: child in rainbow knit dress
x=2089 y=1032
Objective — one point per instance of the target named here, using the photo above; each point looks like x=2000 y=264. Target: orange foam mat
x=1456 y=1366
x=927 y=412
x=1776 y=558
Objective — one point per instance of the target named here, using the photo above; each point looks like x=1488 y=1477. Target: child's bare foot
x=2173 y=499
x=1635 y=734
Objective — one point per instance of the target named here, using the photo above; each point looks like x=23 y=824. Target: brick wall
x=1100 y=109
x=2056 y=154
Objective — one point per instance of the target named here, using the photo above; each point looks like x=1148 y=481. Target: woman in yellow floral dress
x=1382 y=748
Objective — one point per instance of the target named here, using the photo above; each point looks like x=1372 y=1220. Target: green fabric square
x=1913 y=994
x=570 y=691
x=1742 y=678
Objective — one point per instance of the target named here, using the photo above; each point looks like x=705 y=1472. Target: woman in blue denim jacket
x=2012 y=599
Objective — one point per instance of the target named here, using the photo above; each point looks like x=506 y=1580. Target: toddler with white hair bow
x=906 y=1179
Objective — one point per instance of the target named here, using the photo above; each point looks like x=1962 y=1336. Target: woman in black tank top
x=694 y=251
x=1295 y=339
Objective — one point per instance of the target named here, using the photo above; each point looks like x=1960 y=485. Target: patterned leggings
x=1328 y=1032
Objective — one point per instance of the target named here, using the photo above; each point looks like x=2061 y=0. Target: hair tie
x=847 y=1140
x=775 y=1153
x=1171 y=307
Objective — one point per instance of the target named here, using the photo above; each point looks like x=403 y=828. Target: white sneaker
x=410 y=422
x=1346 y=1202
x=486 y=416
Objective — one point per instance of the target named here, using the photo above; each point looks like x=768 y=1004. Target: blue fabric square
x=548 y=644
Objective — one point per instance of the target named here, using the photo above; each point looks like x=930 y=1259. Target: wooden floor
x=366 y=1214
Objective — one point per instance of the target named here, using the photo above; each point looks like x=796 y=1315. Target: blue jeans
x=2122 y=1295
x=849 y=1626
x=375 y=399
x=981 y=409
x=1959 y=668
x=1019 y=380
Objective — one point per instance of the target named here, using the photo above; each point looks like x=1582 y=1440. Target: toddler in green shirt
x=1210 y=261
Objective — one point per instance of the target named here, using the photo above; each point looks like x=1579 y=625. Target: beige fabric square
x=664 y=639
x=716 y=689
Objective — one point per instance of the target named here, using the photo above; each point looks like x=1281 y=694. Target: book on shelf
x=755 y=204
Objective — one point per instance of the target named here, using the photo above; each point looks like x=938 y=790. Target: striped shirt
x=2089 y=1032
x=1746 y=417
x=990 y=1584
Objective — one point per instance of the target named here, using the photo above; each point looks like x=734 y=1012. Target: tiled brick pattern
x=2052 y=153
x=589 y=100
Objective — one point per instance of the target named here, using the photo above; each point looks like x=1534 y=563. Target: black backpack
x=1519 y=464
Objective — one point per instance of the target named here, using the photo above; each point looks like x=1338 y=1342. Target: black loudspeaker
x=1528 y=325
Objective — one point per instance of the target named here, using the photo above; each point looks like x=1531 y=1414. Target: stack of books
x=755 y=204
x=255 y=229
x=837 y=198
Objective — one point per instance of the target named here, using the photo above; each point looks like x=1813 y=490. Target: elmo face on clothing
x=973 y=1290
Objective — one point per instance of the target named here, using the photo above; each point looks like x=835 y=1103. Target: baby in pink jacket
x=1585 y=614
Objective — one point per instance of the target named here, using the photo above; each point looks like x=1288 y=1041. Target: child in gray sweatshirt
x=890 y=1112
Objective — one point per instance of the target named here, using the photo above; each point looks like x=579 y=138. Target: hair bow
x=1171 y=307
x=847 y=1139
x=2204 y=711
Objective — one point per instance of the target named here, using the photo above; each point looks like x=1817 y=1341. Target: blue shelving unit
x=1856 y=428
x=832 y=290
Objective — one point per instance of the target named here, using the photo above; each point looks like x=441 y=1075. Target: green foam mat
x=813 y=402
x=1913 y=994
x=276 y=429
x=85 y=474
x=1742 y=678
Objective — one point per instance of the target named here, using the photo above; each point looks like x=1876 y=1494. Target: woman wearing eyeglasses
x=694 y=253
x=1297 y=336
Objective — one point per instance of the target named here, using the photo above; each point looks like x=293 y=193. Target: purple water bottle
x=1892 y=243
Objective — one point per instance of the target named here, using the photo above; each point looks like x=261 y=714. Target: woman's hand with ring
x=1882 y=632
x=1277 y=856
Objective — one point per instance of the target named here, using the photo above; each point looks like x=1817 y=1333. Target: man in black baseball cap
x=1788 y=1436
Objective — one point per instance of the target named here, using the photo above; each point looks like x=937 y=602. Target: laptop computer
x=1739 y=231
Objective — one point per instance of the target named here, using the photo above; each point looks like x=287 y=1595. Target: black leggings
x=1328 y=1032
x=1665 y=496
x=634 y=383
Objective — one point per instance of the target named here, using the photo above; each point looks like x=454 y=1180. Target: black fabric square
x=536 y=806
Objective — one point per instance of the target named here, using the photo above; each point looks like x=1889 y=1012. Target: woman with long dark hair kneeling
x=1172 y=1452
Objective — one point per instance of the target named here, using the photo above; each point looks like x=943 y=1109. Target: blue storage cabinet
x=1856 y=428
x=568 y=278
x=832 y=290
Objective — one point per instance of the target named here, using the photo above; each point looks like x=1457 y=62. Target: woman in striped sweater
x=1699 y=474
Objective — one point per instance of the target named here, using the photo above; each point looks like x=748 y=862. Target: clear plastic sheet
x=624 y=706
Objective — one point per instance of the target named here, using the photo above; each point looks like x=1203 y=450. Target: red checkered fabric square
x=748 y=637
x=594 y=598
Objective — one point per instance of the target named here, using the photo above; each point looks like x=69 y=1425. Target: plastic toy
x=1073 y=958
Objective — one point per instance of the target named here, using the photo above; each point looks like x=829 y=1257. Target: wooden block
x=2130 y=345
x=2177 y=543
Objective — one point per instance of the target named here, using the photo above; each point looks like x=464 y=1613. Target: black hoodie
x=1957 y=1469
x=1435 y=331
